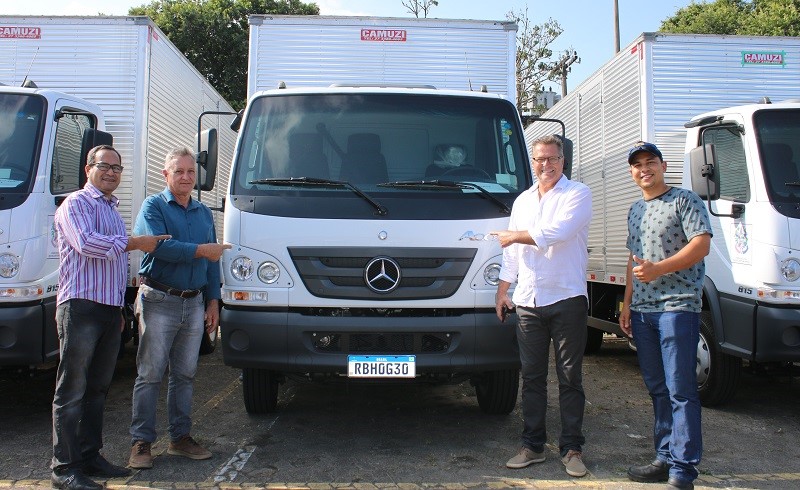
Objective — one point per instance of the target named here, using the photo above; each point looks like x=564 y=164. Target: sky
x=588 y=24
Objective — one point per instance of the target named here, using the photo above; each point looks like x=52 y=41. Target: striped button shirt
x=91 y=245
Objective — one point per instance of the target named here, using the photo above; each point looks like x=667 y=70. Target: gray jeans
x=564 y=323
x=89 y=341
x=170 y=332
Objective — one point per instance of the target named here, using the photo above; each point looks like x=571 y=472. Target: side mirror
x=236 y=124
x=91 y=138
x=567 y=146
x=705 y=176
x=207 y=159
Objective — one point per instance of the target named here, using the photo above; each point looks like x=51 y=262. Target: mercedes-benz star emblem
x=382 y=275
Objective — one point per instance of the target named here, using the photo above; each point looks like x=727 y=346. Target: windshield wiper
x=448 y=184
x=792 y=184
x=300 y=181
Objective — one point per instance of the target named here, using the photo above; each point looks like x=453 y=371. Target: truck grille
x=382 y=343
x=422 y=273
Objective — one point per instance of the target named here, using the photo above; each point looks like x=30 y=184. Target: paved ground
x=410 y=436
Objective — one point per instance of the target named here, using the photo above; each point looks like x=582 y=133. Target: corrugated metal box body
x=313 y=51
x=648 y=91
x=149 y=92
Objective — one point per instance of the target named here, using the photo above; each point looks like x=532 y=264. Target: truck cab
x=360 y=220
x=745 y=161
x=44 y=138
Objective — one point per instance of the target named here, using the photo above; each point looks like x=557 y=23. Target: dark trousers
x=564 y=323
x=89 y=335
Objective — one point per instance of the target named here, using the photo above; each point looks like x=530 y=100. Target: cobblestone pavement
x=336 y=436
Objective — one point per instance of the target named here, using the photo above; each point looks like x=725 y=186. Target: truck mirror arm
x=737 y=209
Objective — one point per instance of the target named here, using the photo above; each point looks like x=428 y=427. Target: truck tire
x=717 y=373
x=594 y=341
x=209 y=342
x=497 y=391
x=260 y=390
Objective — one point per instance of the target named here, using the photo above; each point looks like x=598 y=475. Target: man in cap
x=669 y=234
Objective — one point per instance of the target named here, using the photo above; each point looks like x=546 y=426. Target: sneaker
x=650 y=473
x=140 y=455
x=524 y=458
x=188 y=448
x=573 y=461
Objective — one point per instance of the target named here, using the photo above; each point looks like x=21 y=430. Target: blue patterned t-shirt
x=658 y=229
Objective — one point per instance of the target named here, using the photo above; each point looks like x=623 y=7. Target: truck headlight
x=269 y=272
x=790 y=269
x=242 y=268
x=9 y=265
x=491 y=274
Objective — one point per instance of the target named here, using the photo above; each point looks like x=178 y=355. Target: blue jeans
x=170 y=332
x=666 y=344
x=89 y=341
x=565 y=323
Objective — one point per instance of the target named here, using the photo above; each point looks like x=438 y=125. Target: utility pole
x=561 y=68
x=616 y=26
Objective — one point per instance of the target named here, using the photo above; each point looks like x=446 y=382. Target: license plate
x=381 y=366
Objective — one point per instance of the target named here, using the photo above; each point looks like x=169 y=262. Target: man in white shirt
x=545 y=253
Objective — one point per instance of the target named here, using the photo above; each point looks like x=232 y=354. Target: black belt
x=183 y=293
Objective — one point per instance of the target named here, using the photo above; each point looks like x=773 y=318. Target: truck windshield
x=20 y=140
x=778 y=134
x=386 y=145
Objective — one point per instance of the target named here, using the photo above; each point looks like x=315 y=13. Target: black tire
x=497 y=391
x=209 y=342
x=260 y=390
x=717 y=373
x=594 y=341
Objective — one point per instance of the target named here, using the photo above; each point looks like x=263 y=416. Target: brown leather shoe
x=140 y=455
x=188 y=448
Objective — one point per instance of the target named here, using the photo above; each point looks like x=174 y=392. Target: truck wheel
x=209 y=342
x=717 y=373
x=594 y=340
x=260 y=390
x=497 y=391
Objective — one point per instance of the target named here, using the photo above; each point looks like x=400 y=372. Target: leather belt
x=183 y=293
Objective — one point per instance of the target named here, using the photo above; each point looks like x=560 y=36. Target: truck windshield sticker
x=383 y=35
x=20 y=32
x=764 y=58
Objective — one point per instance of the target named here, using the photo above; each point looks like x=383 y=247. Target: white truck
x=118 y=74
x=650 y=91
x=366 y=180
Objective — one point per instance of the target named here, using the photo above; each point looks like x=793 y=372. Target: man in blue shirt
x=178 y=296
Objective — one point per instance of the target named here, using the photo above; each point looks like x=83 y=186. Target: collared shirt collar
x=562 y=182
x=169 y=197
x=95 y=193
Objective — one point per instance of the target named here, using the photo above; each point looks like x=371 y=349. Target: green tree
x=755 y=18
x=534 y=61
x=214 y=34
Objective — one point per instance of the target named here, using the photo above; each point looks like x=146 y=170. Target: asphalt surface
x=409 y=436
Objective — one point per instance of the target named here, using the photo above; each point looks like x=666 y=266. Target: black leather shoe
x=654 y=472
x=681 y=484
x=99 y=466
x=73 y=479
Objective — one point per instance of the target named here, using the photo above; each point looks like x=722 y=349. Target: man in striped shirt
x=92 y=246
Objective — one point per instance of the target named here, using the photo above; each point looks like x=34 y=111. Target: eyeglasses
x=550 y=160
x=104 y=167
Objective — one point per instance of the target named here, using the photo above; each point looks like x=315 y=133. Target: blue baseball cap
x=643 y=146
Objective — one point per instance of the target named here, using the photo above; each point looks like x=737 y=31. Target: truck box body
x=149 y=97
x=648 y=91
x=305 y=51
x=360 y=215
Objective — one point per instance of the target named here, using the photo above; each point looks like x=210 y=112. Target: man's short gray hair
x=549 y=139
x=177 y=153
